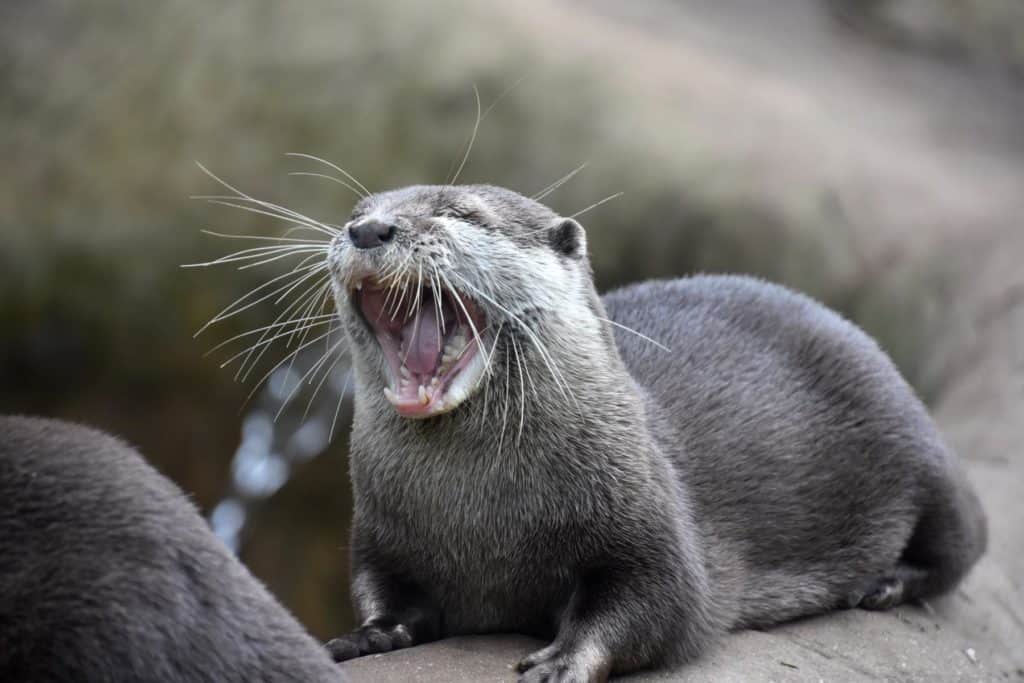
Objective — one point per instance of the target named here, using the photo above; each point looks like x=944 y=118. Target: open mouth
x=430 y=339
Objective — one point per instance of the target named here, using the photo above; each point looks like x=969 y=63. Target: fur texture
x=630 y=503
x=108 y=573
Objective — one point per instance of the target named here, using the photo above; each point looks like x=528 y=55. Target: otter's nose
x=372 y=233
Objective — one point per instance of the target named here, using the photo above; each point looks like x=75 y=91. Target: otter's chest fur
x=495 y=541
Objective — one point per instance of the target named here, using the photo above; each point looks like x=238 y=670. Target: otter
x=108 y=573
x=626 y=477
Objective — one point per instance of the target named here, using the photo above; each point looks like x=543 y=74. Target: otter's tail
x=950 y=536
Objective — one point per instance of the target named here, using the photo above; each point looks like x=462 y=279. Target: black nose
x=370 y=234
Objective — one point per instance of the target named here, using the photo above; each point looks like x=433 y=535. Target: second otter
x=628 y=477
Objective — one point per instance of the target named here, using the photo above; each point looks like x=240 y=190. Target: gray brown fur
x=774 y=464
x=108 y=573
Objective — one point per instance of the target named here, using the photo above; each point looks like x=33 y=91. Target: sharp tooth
x=359 y=284
x=435 y=382
x=389 y=395
x=422 y=393
x=405 y=372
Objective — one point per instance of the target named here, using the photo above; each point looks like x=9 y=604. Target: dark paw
x=371 y=638
x=553 y=665
x=886 y=594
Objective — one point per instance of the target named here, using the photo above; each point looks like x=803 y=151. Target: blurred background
x=868 y=153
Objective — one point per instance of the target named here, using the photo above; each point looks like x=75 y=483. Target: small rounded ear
x=568 y=237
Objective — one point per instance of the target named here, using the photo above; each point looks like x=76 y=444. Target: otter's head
x=431 y=282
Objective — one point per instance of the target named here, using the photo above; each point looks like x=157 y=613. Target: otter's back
x=800 y=442
x=107 y=573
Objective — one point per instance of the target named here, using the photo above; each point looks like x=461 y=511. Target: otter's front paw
x=375 y=636
x=554 y=664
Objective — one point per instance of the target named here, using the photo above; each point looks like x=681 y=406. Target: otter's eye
x=467 y=215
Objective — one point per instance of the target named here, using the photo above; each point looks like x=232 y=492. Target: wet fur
x=774 y=464
x=108 y=573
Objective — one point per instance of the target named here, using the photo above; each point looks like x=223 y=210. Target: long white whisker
x=303 y=221
x=255 y=253
x=230 y=309
x=263 y=237
x=469 y=318
x=310 y=293
x=289 y=312
x=312 y=321
x=337 y=410
x=277 y=257
x=282 y=362
x=472 y=139
x=337 y=168
x=282 y=335
x=503 y=94
x=329 y=177
x=504 y=414
x=597 y=204
x=558 y=183
x=312 y=370
x=320 y=384
x=545 y=356
x=522 y=390
x=638 y=334
x=243 y=196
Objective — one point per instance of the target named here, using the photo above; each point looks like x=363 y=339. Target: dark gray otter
x=108 y=574
x=521 y=462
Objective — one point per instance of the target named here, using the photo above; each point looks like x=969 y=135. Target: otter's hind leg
x=904 y=584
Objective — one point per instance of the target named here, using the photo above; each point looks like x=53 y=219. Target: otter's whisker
x=337 y=409
x=288 y=312
x=329 y=371
x=280 y=213
x=504 y=414
x=487 y=371
x=282 y=362
x=320 y=299
x=597 y=204
x=270 y=238
x=255 y=253
x=522 y=390
x=435 y=282
x=239 y=195
x=311 y=372
x=416 y=319
x=472 y=139
x=296 y=252
x=231 y=310
x=310 y=294
x=313 y=321
x=504 y=93
x=558 y=183
x=262 y=342
x=328 y=177
x=545 y=355
x=634 y=332
x=337 y=168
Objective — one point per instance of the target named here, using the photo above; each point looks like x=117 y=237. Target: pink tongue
x=420 y=343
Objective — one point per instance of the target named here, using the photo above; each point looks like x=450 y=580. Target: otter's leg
x=628 y=616
x=903 y=584
x=394 y=615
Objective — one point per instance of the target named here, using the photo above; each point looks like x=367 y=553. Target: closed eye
x=467 y=215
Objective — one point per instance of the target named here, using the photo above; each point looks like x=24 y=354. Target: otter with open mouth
x=627 y=477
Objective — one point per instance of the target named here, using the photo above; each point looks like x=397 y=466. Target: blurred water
x=287 y=426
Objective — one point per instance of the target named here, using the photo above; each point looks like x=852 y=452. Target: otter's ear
x=568 y=237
